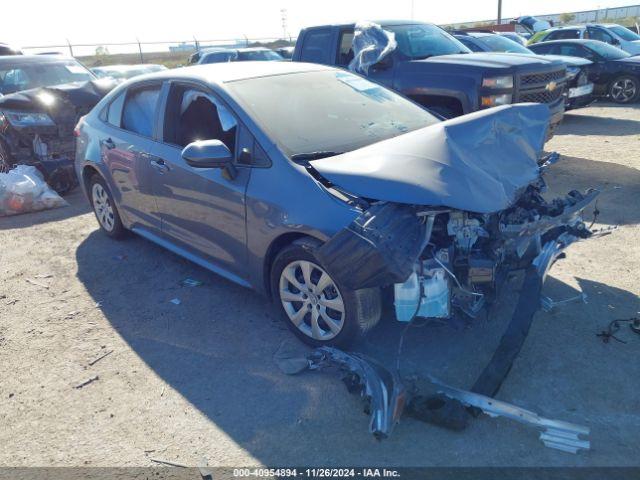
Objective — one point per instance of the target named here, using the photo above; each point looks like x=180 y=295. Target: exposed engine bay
x=443 y=261
x=36 y=128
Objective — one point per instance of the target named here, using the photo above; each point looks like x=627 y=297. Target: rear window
x=139 y=110
x=315 y=47
x=564 y=35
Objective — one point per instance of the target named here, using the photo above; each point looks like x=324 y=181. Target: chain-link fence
x=169 y=53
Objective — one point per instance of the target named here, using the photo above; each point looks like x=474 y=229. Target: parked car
x=275 y=195
x=285 y=52
x=610 y=33
x=9 y=50
x=124 y=72
x=43 y=98
x=579 y=91
x=431 y=67
x=220 y=55
x=513 y=36
x=614 y=72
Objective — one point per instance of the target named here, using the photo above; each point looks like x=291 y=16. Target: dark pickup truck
x=428 y=65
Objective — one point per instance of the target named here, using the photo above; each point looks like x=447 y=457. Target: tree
x=101 y=50
x=567 y=17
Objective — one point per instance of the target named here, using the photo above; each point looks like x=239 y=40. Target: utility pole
x=499 y=12
x=283 y=17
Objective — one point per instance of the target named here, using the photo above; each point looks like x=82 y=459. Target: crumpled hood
x=477 y=162
x=80 y=94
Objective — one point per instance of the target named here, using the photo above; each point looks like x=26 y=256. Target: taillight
x=76 y=130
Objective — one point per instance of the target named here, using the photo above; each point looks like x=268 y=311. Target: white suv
x=610 y=33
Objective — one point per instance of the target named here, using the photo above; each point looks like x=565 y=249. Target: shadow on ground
x=620 y=186
x=216 y=350
x=78 y=205
x=579 y=123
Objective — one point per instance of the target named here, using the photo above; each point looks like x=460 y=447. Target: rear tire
x=624 y=89
x=316 y=308
x=105 y=208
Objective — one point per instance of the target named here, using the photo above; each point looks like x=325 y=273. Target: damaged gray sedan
x=329 y=192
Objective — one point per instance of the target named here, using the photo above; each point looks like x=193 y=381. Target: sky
x=46 y=22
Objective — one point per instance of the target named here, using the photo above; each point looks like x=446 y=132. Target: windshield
x=326 y=111
x=625 y=33
x=498 y=43
x=423 y=41
x=608 y=51
x=24 y=76
x=259 y=55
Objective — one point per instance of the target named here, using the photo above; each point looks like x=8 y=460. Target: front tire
x=105 y=208
x=624 y=89
x=317 y=309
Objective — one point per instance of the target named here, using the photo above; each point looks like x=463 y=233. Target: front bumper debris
x=556 y=434
x=385 y=397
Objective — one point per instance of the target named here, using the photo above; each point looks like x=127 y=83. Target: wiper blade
x=304 y=157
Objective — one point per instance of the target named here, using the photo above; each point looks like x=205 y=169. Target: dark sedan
x=579 y=92
x=614 y=72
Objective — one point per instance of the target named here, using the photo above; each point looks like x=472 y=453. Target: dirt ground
x=197 y=380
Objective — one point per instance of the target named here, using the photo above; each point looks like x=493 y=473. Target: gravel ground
x=183 y=382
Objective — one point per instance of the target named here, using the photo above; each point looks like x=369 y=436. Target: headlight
x=572 y=72
x=495 y=100
x=505 y=81
x=28 y=119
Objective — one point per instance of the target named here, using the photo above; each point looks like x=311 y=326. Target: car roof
x=579 y=41
x=382 y=23
x=219 y=73
x=125 y=66
x=27 y=59
x=223 y=49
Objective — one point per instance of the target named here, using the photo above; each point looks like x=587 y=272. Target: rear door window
x=570 y=50
x=139 y=111
x=315 y=46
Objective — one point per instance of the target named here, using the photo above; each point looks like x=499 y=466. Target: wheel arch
x=276 y=246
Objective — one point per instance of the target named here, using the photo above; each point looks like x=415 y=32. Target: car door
x=126 y=143
x=202 y=210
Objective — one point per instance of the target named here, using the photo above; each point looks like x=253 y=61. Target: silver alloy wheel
x=623 y=90
x=311 y=300
x=102 y=207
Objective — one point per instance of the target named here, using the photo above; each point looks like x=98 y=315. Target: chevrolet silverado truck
x=431 y=67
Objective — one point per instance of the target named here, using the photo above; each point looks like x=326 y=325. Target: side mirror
x=207 y=154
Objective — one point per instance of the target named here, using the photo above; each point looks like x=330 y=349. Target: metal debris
x=87 y=382
x=93 y=362
x=554 y=433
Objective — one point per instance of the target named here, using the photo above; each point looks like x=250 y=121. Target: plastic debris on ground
x=175 y=301
x=24 y=190
x=191 y=282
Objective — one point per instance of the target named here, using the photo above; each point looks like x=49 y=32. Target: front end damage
x=449 y=211
x=36 y=128
x=463 y=209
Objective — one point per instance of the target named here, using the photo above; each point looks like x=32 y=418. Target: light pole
x=499 y=12
x=283 y=17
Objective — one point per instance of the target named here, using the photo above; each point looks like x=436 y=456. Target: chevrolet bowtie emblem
x=551 y=86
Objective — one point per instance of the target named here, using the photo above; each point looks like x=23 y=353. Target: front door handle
x=109 y=144
x=159 y=165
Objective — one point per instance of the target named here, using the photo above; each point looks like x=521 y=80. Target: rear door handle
x=159 y=165
x=109 y=144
